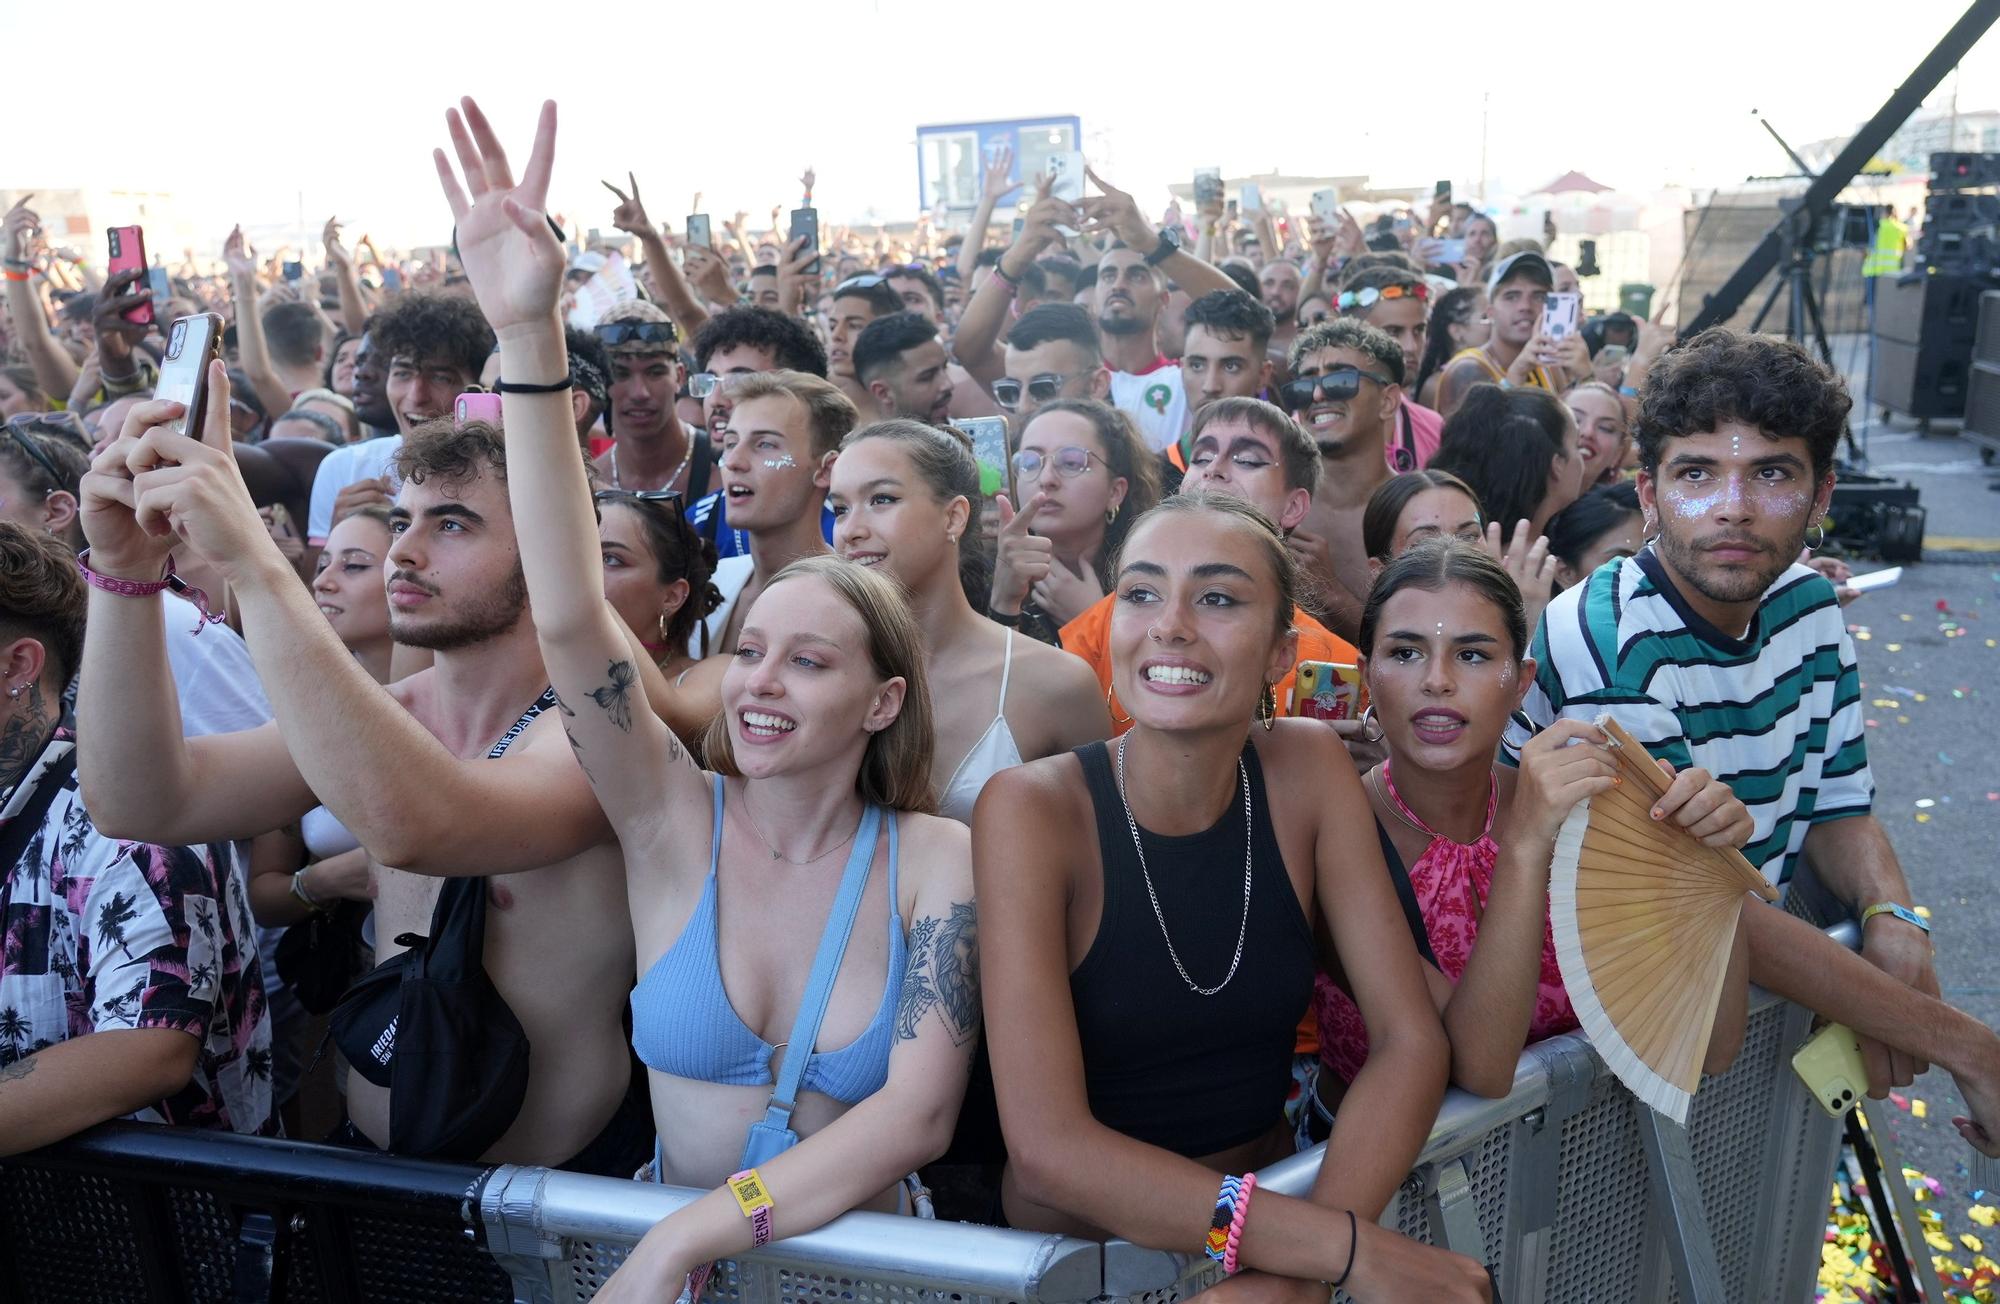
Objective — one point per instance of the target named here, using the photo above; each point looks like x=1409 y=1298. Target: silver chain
x=685 y=459
x=1242 y=929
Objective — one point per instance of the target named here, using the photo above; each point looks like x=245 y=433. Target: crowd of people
x=782 y=757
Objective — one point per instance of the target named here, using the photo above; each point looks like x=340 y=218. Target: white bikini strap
x=1006 y=668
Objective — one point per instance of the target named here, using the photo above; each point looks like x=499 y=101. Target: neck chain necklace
x=1242 y=928
x=750 y=818
x=686 y=458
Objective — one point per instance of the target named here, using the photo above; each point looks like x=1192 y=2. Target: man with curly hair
x=1717 y=649
x=435 y=346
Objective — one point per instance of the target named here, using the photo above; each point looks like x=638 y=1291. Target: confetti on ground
x=1855 y=1267
x=1925 y=803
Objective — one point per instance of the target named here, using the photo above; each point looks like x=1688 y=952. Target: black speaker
x=1871 y=513
x=1982 y=395
x=1924 y=331
x=1964 y=171
x=1959 y=212
x=1967 y=255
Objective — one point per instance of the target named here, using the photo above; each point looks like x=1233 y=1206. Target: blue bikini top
x=684 y=1024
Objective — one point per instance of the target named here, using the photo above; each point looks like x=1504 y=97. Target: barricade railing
x=1566 y=1187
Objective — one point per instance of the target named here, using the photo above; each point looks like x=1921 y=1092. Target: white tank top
x=994 y=752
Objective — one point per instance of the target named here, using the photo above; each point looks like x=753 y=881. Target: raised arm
x=976 y=342
x=1063 y=1158
x=515 y=266
x=55 y=371
x=905 y=1125
x=1117 y=212
x=250 y=343
x=998 y=184
x=683 y=304
x=353 y=308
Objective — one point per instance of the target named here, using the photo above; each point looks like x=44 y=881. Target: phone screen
x=294 y=271
x=191 y=343
x=1443 y=190
x=698 y=230
x=805 y=222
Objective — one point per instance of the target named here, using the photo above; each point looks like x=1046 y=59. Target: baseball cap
x=1526 y=263
x=588 y=261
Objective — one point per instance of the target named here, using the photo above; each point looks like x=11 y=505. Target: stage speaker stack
x=1982 y=403
x=1926 y=319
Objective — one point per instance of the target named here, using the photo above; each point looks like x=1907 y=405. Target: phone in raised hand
x=1207 y=186
x=699 y=233
x=1561 y=312
x=127 y=245
x=192 y=343
x=805 y=222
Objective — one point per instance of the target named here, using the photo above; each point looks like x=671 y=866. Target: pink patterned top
x=1451 y=881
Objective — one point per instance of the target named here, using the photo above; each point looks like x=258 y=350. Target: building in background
x=951 y=159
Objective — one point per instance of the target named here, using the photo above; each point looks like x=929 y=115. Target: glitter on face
x=779 y=463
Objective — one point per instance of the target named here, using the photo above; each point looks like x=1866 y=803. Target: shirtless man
x=404 y=767
x=1346 y=389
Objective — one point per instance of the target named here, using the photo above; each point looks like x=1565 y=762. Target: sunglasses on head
x=1042 y=388
x=1336 y=384
x=614 y=333
x=1352 y=299
x=660 y=497
x=1070 y=462
x=856 y=283
x=21 y=427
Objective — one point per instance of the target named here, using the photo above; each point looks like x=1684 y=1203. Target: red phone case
x=128 y=254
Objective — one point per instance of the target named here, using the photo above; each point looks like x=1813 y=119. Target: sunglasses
x=854 y=283
x=661 y=497
x=613 y=334
x=1349 y=300
x=1337 y=384
x=1069 y=462
x=20 y=427
x=1042 y=388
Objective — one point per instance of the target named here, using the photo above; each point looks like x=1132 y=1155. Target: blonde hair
x=896 y=767
x=830 y=413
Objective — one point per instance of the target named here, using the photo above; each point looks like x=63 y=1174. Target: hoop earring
x=1267 y=707
x=1110 y=515
x=663 y=627
x=1815 y=545
x=1112 y=711
x=1648 y=527
x=1367 y=720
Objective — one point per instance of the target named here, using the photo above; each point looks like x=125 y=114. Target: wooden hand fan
x=1644 y=917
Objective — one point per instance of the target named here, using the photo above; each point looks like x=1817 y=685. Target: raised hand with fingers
x=237 y=253
x=20 y=225
x=1023 y=559
x=190 y=489
x=1118 y=213
x=1064 y=595
x=1529 y=563
x=630 y=215
x=511 y=256
x=999 y=180
x=336 y=252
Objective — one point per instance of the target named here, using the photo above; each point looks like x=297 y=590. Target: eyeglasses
x=1351 y=299
x=1069 y=462
x=1337 y=384
x=614 y=333
x=1042 y=388
x=702 y=383
x=21 y=426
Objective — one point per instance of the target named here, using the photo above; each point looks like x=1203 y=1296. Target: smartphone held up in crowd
x=192 y=343
x=127 y=247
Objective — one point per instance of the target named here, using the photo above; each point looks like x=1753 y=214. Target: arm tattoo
x=943 y=971
x=19 y=1069
x=616 y=696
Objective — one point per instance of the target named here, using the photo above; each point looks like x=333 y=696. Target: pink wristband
x=147 y=588
x=1229 y=1268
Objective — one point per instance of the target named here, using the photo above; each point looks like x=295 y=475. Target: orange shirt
x=1089 y=636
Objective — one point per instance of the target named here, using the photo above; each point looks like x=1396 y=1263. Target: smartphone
x=1020 y=224
x=1326 y=207
x=1448 y=253
x=392 y=278
x=1831 y=1066
x=805 y=222
x=192 y=343
x=1443 y=189
x=128 y=254
x=989 y=449
x=294 y=271
x=1253 y=197
x=1560 y=315
x=698 y=230
x=1066 y=166
x=162 y=285
x=476 y=405
x=1614 y=355
x=1880 y=579
x=1328 y=690
x=1207 y=186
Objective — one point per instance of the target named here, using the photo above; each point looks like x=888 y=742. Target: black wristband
x=509 y=387
x=1353 y=1243
x=1011 y=619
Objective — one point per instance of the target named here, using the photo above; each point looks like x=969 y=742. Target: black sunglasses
x=20 y=426
x=612 y=334
x=1338 y=384
x=641 y=496
x=1042 y=388
x=854 y=283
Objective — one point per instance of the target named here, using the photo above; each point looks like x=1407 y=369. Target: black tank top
x=1189 y=1073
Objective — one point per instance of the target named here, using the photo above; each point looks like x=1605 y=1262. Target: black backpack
x=430 y=1026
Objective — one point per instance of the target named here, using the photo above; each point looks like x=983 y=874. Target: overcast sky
x=1637 y=95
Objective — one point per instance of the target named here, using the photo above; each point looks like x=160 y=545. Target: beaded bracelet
x=1236 y=1224
x=1216 y=1246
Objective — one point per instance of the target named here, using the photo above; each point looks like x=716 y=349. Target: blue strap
x=826 y=966
x=715 y=836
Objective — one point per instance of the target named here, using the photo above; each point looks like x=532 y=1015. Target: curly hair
x=1349 y=333
x=451 y=452
x=1230 y=314
x=789 y=341
x=1723 y=375
x=42 y=596
x=430 y=327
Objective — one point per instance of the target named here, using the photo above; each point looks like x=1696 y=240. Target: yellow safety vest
x=1885 y=256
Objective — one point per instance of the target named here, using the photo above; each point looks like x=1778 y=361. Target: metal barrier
x=1566 y=1187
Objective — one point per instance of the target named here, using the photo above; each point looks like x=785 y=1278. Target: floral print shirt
x=101 y=934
